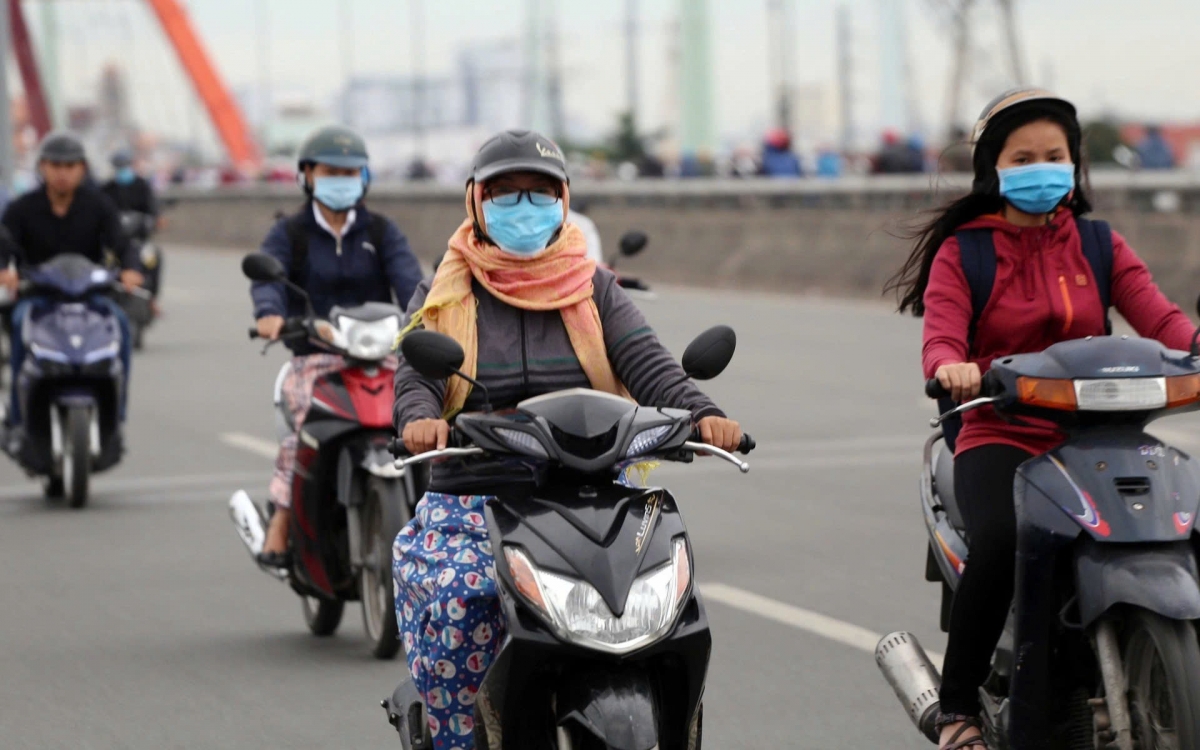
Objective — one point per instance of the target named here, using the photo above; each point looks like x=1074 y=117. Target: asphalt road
x=140 y=622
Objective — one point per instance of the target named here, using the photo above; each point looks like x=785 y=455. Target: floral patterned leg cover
x=448 y=610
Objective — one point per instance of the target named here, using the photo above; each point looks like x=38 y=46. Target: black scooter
x=607 y=643
x=1100 y=649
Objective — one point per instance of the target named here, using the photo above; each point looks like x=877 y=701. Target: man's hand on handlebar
x=132 y=279
x=10 y=279
x=269 y=327
x=963 y=380
x=721 y=433
x=426 y=435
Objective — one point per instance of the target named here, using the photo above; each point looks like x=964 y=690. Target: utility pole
x=1014 y=47
x=346 y=42
x=263 y=35
x=49 y=64
x=782 y=46
x=631 y=69
x=7 y=155
x=417 y=22
x=845 y=34
x=554 y=73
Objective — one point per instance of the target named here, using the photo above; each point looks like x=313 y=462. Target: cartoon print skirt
x=448 y=610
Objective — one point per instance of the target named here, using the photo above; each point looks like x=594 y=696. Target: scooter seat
x=943 y=482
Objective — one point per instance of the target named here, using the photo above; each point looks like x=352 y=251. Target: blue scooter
x=71 y=383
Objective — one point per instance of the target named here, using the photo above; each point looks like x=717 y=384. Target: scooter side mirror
x=632 y=243
x=710 y=353
x=434 y=355
x=262 y=267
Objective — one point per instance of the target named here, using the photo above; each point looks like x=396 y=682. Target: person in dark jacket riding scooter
x=342 y=255
x=534 y=315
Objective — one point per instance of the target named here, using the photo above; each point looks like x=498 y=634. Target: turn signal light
x=1047 y=393
x=1183 y=390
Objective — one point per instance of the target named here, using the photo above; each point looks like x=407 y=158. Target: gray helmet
x=62 y=148
x=336 y=146
x=121 y=159
x=519 y=151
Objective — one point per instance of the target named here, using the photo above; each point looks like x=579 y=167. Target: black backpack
x=298 y=239
x=978 y=253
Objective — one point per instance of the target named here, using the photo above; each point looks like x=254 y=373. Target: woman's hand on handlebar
x=424 y=435
x=963 y=380
x=721 y=432
x=269 y=327
x=10 y=279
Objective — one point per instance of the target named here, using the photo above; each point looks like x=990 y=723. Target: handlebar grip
x=747 y=444
x=934 y=389
x=396 y=447
x=253 y=332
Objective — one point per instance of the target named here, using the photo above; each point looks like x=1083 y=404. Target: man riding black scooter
x=63 y=216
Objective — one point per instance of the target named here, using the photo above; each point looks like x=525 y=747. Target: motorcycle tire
x=76 y=461
x=384 y=513
x=139 y=335
x=322 y=615
x=1162 y=671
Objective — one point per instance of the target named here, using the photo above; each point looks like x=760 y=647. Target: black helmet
x=121 y=159
x=62 y=148
x=519 y=151
x=336 y=146
x=1006 y=113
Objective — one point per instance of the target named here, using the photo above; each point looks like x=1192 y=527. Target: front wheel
x=1162 y=670
x=76 y=461
x=384 y=513
x=322 y=615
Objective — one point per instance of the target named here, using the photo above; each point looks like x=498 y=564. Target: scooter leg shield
x=617 y=706
x=406 y=712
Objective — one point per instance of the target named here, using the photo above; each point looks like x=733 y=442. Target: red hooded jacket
x=1044 y=293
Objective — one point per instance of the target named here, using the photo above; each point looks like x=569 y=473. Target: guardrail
x=1168 y=192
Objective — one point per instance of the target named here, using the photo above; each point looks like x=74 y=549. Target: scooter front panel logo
x=649 y=516
x=1183 y=522
x=1089 y=515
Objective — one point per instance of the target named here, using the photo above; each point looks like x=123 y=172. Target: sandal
x=277 y=560
x=968 y=722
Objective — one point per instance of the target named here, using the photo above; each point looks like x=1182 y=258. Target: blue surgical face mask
x=125 y=175
x=523 y=229
x=338 y=193
x=1037 y=188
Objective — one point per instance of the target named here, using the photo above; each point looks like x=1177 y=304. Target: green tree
x=1100 y=138
x=627 y=144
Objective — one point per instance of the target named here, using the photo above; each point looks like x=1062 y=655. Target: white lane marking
x=144 y=484
x=848 y=634
x=251 y=444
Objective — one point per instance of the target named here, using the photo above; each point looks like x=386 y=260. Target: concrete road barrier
x=841 y=237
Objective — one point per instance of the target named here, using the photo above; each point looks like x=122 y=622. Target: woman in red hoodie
x=1029 y=191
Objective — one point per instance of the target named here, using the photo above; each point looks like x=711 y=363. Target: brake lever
x=962 y=408
x=712 y=450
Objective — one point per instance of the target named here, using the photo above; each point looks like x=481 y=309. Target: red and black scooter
x=348 y=500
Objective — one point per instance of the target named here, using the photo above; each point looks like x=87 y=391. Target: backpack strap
x=1097 y=240
x=377 y=231
x=298 y=239
x=977 y=252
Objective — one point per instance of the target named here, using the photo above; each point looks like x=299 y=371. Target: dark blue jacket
x=339 y=274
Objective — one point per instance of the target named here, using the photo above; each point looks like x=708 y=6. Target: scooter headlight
x=369 y=340
x=576 y=612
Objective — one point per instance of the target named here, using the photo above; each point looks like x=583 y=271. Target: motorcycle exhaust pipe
x=249 y=522
x=914 y=678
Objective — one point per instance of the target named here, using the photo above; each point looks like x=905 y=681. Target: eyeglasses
x=541 y=196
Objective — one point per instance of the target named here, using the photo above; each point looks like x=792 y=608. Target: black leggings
x=983 y=485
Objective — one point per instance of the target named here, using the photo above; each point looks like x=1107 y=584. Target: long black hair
x=910 y=281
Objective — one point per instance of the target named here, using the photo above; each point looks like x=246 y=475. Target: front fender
x=1161 y=579
x=617 y=706
x=367 y=455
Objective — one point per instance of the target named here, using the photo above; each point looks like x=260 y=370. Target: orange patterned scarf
x=560 y=278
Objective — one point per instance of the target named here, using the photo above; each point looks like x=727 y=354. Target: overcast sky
x=1139 y=58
